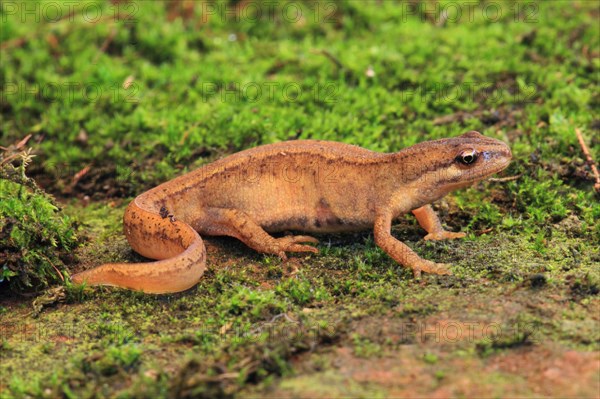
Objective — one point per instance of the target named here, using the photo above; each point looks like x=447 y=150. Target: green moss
x=302 y=291
x=364 y=347
x=430 y=358
x=384 y=76
x=329 y=384
x=258 y=303
x=36 y=238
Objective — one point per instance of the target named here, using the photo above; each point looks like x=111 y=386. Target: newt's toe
x=444 y=235
x=441 y=269
x=297 y=239
x=293 y=244
x=431 y=268
x=302 y=248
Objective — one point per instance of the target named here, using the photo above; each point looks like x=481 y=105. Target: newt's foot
x=444 y=235
x=428 y=266
x=293 y=244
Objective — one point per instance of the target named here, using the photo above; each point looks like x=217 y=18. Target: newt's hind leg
x=430 y=221
x=238 y=224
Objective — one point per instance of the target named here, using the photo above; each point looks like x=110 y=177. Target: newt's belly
x=321 y=218
x=315 y=225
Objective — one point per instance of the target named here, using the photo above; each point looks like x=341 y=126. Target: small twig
x=9 y=158
x=57 y=271
x=484 y=231
x=80 y=174
x=187 y=133
x=106 y=43
x=331 y=57
x=18 y=146
x=589 y=159
x=505 y=179
x=22 y=143
x=456 y=117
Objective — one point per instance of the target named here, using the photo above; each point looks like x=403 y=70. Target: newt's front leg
x=430 y=221
x=399 y=251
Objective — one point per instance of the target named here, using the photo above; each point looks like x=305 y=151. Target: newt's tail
x=177 y=246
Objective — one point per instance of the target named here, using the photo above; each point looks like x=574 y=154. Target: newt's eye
x=467 y=157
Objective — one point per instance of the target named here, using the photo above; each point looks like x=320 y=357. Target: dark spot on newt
x=325 y=215
x=163 y=212
x=291 y=223
x=335 y=221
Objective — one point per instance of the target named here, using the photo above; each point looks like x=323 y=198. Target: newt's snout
x=504 y=155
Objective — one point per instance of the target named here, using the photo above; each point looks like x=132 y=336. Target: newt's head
x=474 y=157
x=460 y=161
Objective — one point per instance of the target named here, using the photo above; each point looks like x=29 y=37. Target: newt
x=308 y=186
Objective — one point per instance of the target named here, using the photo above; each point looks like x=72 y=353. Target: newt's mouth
x=503 y=164
x=498 y=160
x=505 y=158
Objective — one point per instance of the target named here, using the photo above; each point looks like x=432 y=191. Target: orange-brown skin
x=309 y=186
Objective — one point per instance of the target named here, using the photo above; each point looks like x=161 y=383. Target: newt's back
x=308 y=184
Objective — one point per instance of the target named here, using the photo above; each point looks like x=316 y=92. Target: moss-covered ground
x=119 y=96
